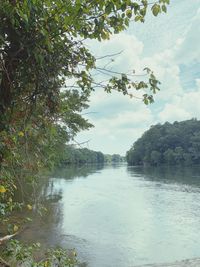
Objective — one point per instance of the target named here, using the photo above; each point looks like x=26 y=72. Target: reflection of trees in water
x=47 y=228
x=168 y=174
x=44 y=189
x=48 y=193
x=46 y=214
x=74 y=171
x=116 y=165
x=46 y=199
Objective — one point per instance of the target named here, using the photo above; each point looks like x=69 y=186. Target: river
x=120 y=216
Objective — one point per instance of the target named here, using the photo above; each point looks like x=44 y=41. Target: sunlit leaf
x=21 y=134
x=2 y=189
x=15 y=228
x=29 y=207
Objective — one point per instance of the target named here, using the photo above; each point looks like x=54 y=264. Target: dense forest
x=71 y=155
x=176 y=143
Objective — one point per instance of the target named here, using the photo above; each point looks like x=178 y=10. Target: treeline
x=115 y=158
x=176 y=143
x=72 y=155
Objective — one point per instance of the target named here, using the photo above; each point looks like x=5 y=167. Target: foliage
x=115 y=158
x=72 y=155
x=42 y=51
x=24 y=255
x=177 y=143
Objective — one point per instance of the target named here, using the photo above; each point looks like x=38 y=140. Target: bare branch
x=7 y=237
x=110 y=55
x=92 y=112
x=80 y=144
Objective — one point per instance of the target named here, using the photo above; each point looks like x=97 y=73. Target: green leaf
x=155 y=9
x=164 y=8
x=129 y=13
x=108 y=8
x=137 y=18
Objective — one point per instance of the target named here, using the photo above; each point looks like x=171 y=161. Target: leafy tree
x=155 y=157
x=195 y=146
x=72 y=155
x=169 y=156
x=41 y=50
x=177 y=143
x=179 y=155
x=116 y=158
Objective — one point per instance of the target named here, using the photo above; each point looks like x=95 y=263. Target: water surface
x=119 y=216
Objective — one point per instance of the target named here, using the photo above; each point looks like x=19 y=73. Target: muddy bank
x=184 y=263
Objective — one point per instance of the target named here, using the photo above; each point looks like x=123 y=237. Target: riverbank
x=184 y=263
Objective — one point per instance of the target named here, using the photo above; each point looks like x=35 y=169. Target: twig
x=7 y=237
x=80 y=144
x=110 y=55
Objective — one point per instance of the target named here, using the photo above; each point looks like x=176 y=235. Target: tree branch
x=7 y=237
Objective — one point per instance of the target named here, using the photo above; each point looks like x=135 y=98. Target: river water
x=120 y=216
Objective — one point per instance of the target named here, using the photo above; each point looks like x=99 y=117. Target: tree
x=41 y=50
x=169 y=156
x=179 y=155
x=177 y=143
x=156 y=157
x=116 y=158
x=42 y=46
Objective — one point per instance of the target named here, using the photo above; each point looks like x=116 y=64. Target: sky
x=170 y=46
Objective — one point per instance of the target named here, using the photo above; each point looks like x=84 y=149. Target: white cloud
x=184 y=107
x=167 y=71
x=197 y=83
x=126 y=120
x=119 y=121
x=117 y=132
x=190 y=49
x=129 y=45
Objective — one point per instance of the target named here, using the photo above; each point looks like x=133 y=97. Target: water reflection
x=166 y=174
x=119 y=216
x=75 y=171
x=46 y=226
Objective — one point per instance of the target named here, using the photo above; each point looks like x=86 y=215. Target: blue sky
x=169 y=45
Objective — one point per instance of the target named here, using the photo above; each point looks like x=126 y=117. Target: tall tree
x=41 y=49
